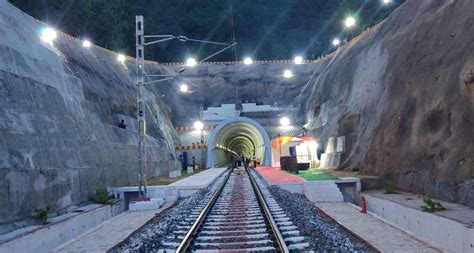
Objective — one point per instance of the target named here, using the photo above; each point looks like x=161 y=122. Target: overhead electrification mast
x=142 y=81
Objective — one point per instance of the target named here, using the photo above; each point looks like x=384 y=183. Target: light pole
x=349 y=22
x=284 y=122
x=142 y=81
x=198 y=125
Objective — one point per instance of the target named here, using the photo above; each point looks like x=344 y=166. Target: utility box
x=289 y=163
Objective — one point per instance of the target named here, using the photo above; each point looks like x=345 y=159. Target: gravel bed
x=321 y=232
x=160 y=229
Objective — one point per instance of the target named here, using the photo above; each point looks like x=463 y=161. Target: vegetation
x=276 y=29
x=101 y=196
x=43 y=213
x=431 y=205
x=315 y=175
x=389 y=186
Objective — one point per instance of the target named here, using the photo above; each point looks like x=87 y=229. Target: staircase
x=322 y=191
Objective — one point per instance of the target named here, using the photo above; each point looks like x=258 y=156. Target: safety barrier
x=191 y=147
x=191 y=128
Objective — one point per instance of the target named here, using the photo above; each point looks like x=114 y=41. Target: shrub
x=389 y=185
x=43 y=213
x=101 y=196
x=431 y=205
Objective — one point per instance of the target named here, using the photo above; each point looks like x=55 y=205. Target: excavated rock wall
x=59 y=109
x=403 y=97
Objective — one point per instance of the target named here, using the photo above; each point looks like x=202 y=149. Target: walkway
x=379 y=234
x=110 y=233
x=277 y=175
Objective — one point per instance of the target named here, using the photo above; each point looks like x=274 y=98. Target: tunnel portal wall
x=213 y=137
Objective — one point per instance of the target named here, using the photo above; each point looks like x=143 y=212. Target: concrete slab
x=201 y=179
x=108 y=234
x=322 y=191
x=152 y=204
x=172 y=192
x=379 y=234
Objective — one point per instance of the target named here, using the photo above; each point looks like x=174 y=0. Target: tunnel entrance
x=238 y=135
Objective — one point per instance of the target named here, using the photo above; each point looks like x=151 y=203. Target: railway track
x=240 y=216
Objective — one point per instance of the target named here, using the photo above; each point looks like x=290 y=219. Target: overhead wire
x=234 y=49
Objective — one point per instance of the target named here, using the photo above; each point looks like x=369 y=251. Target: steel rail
x=268 y=215
x=188 y=238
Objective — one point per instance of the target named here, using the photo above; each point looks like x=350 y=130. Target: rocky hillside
x=59 y=109
x=403 y=96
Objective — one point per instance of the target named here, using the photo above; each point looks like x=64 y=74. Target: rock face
x=403 y=96
x=59 y=109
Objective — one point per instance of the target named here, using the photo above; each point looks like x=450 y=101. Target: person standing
x=194 y=163
x=254 y=160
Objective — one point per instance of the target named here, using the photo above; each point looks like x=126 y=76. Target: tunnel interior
x=242 y=136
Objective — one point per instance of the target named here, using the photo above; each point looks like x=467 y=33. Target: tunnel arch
x=242 y=135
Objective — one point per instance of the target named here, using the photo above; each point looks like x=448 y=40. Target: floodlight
x=284 y=121
x=349 y=22
x=298 y=60
x=198 y=125
x=121 y=58
x=287 y=73
x=48 y=34
x=191 y=62
x=183 y=88
x=86 y=43
x=248 y=61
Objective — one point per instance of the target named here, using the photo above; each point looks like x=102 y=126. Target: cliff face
x=403 y=96
x=59 y=109
x=213 y=84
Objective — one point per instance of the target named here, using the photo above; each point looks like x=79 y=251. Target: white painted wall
x=52 y=235
x=452 y=236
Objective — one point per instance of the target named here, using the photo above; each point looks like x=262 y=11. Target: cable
x=231 y=14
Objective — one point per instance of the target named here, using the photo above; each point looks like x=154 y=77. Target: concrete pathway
x=379 y=234
x=200 y=180
x=111 y=232
x=277 y=175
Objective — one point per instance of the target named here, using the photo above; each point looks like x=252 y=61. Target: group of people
x=241 y=160
x=184 y=163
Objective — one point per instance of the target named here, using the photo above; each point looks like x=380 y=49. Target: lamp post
x=349 y=22
x=198 y=125
x=284 y=122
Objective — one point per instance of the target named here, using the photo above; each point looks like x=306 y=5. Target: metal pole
x=202 y=147
x=140 y=58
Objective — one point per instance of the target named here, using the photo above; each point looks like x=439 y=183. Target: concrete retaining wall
x=349 y=188
x=448 y=234
x=52 y=235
